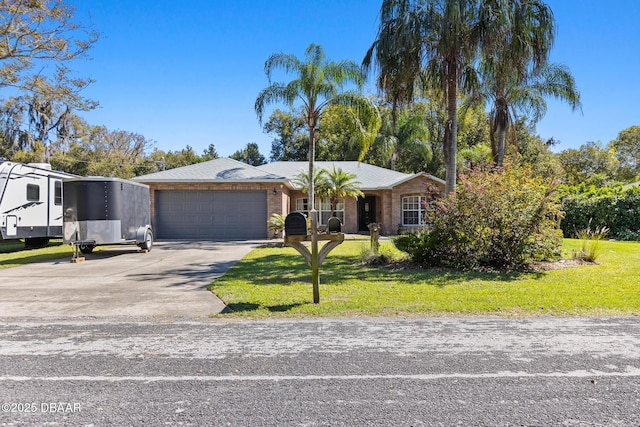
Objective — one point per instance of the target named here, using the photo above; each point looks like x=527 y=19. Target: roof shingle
x=222 y=169
x=370 y=177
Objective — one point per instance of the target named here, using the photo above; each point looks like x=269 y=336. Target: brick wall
x=283 y=201
x=414 y=187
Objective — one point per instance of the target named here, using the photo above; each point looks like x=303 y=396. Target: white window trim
x=421 y=209
x=323 y=206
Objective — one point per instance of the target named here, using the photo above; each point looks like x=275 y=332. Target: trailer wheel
x=148 y=241
x=86 y=249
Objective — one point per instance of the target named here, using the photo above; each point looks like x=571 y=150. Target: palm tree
x=340 y=185
x=318 y=83
x=408 y=136
x=398 y=68
x=442 y=39
x=516 y=74
x=335 y=184
x=528 y=96
x=319 y=184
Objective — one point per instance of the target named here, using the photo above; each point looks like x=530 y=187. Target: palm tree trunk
x=312 y=154
x=501 y=125
x=451 y=132
x=313 y=214
x=502 y=144
x=394 y=134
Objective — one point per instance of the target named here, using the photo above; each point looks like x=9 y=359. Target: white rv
x=30 y=202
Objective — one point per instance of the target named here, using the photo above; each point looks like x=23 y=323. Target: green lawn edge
x=13 y=253
x=276 y=282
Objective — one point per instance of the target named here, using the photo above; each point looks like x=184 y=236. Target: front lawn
x=13 y=253
x=277 y=282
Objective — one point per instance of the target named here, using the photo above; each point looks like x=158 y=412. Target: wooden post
x=315 y=267
x=374 y=229
x=314 y=260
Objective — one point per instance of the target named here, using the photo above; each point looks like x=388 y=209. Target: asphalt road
x=470 y=371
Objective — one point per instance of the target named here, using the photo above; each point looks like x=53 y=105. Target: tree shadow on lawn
x=279 y=269
x=240 y=307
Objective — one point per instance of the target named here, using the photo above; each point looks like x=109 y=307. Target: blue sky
x=188 y=73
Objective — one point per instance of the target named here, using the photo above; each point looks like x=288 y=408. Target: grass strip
x=275 y=282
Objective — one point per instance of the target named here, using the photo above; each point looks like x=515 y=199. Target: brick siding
x=388 y=202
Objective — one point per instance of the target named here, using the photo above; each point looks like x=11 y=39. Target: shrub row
x=615 y=208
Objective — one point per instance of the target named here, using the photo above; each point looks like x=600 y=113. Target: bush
x=386 y=254
x=276 y=224
x=500 y=219
x=616 y=208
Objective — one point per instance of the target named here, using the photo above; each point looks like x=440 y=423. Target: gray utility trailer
x=30 y=202
x=106 y=211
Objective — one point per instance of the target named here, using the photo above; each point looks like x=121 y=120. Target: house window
x=323 y=206
x=414 y=210
x=57 y=193
x=33 y=193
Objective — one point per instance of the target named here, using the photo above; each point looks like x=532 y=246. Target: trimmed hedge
x=617 y=208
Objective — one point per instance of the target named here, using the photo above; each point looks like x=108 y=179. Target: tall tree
x=534 y=152
x=398 y=67
x=317 y=84
x=38 y=41
x=210 y=153
x=249 y=155
x=516 y=74
x=591 y=161
x=96 y=150
x=340 y=137
x=627 y=152
x=160 y=160
x=441 y=38
x=406 y=143
x=290 y=143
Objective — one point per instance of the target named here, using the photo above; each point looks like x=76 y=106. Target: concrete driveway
x=169 y=281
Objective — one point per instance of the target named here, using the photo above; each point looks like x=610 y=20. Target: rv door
x=54 y=215
x=12 y=226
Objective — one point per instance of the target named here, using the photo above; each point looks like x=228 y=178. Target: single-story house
x=227 y=199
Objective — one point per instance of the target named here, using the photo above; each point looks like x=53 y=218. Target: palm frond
x=289 y=63
x=274 y=93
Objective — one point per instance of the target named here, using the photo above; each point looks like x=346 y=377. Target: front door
x=366 y=212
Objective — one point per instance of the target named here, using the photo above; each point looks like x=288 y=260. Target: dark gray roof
x=371 y=177
x=223 y=169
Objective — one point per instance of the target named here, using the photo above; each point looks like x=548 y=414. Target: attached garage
x=210 y=214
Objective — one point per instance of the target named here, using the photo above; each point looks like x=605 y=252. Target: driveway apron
x=169 y=281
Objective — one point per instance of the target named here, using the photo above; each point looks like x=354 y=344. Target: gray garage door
x=211 y=214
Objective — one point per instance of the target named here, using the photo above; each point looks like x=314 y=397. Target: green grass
x=13 y=254
x=276 y=282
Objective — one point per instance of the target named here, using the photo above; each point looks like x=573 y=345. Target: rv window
x=33 y=193
x=58 y=193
